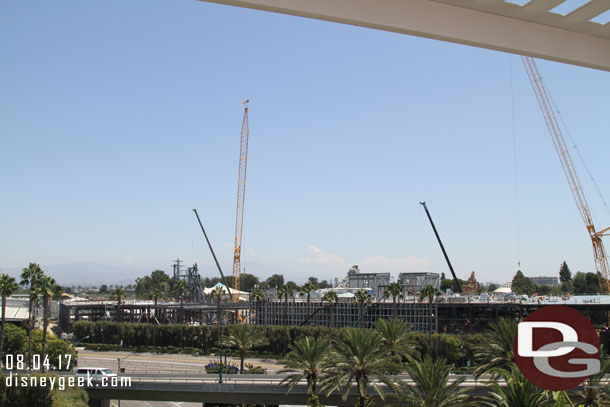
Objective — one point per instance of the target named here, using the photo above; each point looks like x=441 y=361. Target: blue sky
x=120 y=117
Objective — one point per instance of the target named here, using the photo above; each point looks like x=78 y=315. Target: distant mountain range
x=87 y=274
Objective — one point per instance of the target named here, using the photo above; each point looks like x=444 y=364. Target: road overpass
x=235 y=389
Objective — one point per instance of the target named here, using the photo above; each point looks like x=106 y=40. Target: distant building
x=552 y=281
x=415 y=282
x=375 y=281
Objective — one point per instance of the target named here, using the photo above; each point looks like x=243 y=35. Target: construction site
x=451 y=312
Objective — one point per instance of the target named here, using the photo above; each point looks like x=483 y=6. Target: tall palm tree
x=8 y=286
x=362 y=298
x=118 y=294
x=307 y=289
x=306 y=359
x=393 y=290
x=429 y=292
x=217 y=294
x=431 y=386
x=395 y=336
x=47 y=288
x=281 y=292
x=330 y=298
x=244 y=337
x=181 y=287
x=518 y=392
x=258 y=295
x=496 y=354
x=29 y=275
x=155 y=293
x=358 y=357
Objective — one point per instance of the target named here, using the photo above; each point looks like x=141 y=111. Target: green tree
x=285 y=291
x=258 y=295
x=244 y=337
x=29 y=275
x=247 y=282
x=429 y=292
x=585 y=283
x=306 y=359
x=394 y=291
x=118 y=294
x=47 y=288
x=157 y=279
x=362 y=298
x=307 y=289
x=217 y=294
x=395 y=336
x=180 y=288
x=518 y=392
x=522 y=284
x=565 y=275
x=359 y=357
x=330 y=298
x=276 y=280
x=8 y=286
x=14 y=340
x=496 y=353
x=431 y=387
x=103 y=289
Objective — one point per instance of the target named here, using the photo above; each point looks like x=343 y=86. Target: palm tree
x=118 y=294
x=518 y=392
x=47 y=288
x=363 y=298
x=593 y=394
x=8 y=286
x=431 y=386
x=29 y=275
x=429 y=292
x=244 y=337
x=393 y=290
x=307 y=289
x=155 y=293
x=181 y=288
x=217 y=293
x=358 y=357
x=306 y=359
x=496 y=353
x=395 y=336
x=258 y=295
x=330 y=298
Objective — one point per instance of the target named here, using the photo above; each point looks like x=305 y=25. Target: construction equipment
x=241 y=192
x=599 y=253
x=455 y=279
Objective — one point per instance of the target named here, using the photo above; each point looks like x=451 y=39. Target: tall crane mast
x=599 y=253
x=241 y=192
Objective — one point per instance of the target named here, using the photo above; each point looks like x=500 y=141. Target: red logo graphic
x=556 y=348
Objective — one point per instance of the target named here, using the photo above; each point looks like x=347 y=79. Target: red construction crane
x=241 y=192
x=599 y=253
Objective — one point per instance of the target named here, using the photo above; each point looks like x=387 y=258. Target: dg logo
x=556 y=348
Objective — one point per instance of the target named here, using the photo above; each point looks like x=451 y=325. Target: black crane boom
x=455 y=279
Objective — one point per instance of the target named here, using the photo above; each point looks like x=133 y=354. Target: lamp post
x=81 y=339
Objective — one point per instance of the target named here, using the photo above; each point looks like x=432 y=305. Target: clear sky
x=118 y=118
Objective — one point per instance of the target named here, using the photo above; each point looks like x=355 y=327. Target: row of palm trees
x=38 y=286
x=366 y=359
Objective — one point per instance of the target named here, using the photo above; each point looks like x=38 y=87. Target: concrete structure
x=376 y=281
x=539 y=28
x=414 y=282
x=552 y=281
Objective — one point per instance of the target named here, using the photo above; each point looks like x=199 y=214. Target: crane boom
x=599 y=253
x=241 y=192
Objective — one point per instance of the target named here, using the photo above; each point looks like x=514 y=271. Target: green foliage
x=252 y=369
x=431 y=386
x=518 y=392
x=276 y=280
x=247 y=282
x=15 y=340
x=495 y=353
x=243 y=338
x=38 y=396
x=565 y=275
x=306 y=360
x=585 y=283
x=157 y=280
x=522 y=284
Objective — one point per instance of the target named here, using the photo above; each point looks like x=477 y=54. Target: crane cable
x=512 y=102
x=575 y=146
